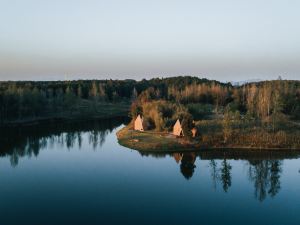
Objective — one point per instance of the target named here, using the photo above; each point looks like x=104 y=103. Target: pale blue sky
x=81 y=39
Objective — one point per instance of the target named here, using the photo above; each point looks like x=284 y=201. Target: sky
x=230 y=40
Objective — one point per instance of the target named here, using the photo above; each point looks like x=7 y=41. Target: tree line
x=27 y=99
x=21 y=100
x=263 y=100
x=268 y=102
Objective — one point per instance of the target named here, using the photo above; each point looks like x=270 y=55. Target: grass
x=253 y=134
x=151 y=141
x=243 y=136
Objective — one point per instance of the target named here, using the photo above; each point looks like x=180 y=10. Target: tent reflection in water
x=187 y=163
x=138 y=123
x=178 y=157
x=177 y=129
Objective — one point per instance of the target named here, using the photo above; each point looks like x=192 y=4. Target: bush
x=200 y=111
x=161 y=115
x=187 y=124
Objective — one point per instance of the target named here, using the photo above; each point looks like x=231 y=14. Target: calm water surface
x=79 y=174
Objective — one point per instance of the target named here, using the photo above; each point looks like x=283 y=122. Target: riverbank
x=78 y=113
x=149 y=141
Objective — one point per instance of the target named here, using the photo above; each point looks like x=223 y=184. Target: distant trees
x=212 y=93
x=229 y=119
x=270 y=97
x=69 y=98
x=226 y=122
x=93 y=93
x=134 y=94
x=22 y=100
x=266 y=101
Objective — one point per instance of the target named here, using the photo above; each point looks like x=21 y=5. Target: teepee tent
x=138 y=123
x=177 y=129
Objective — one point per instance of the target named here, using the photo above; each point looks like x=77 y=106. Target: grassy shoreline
x=149 y=141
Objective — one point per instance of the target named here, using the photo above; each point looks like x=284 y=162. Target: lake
x=79 y=174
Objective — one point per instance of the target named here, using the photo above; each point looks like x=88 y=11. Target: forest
x=31 y=101
x=264 y=114
x=255 y=115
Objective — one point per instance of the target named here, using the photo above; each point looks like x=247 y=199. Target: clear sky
x=81 y=39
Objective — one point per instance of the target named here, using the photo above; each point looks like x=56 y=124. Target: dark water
x=79 y=174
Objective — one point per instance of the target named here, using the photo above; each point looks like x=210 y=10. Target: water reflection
x=222 y=174
x=187 y=163
x=264 y=168
x=265 y=174
x=29 y=141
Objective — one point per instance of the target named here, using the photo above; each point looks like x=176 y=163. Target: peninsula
x=212 y=115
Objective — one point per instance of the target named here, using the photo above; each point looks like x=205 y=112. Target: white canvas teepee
x=177 y=129
x=138 y=123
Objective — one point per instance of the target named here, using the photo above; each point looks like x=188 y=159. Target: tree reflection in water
x=187 y=167
x=20 y=142
x=226 y=175
x=214 y=172
x=222 y=174
x=264 y=168
x=265 y=174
